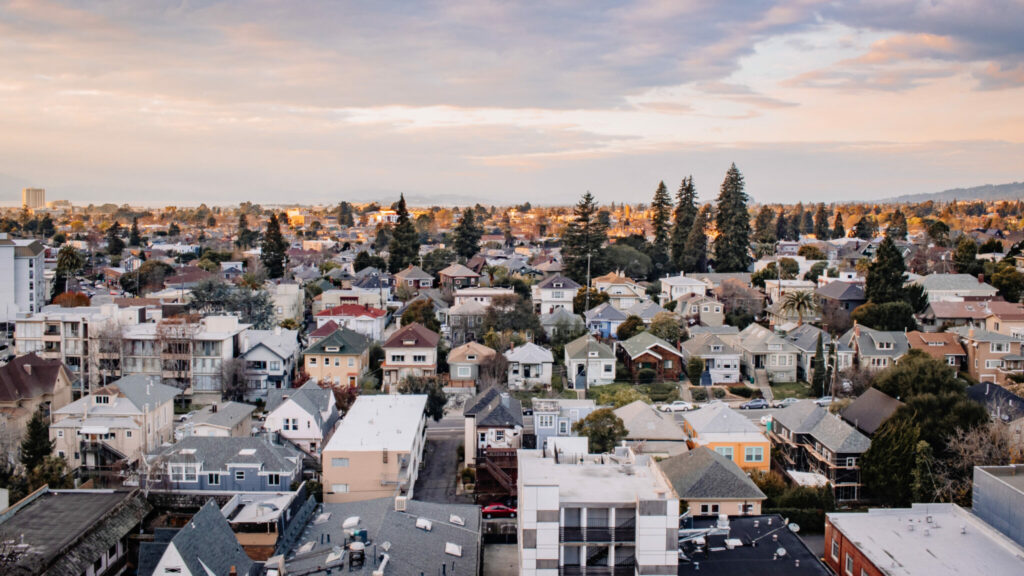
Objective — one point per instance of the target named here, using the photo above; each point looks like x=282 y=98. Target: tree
x=732 y=246
x=115 y=245
x=694 y=369
x=365 y=260
x=965 y=257
x=785 y=269
x=619 y=397
x=467 y=235
x=512 y=313
x=630 y=327
x=134 y=237
x=838 y=230
x=36 y=445
x=991 y=246
x=661 y=224
x=897 y=228
x=666 y=326
x=404 y=248
x=817 y=269
x=584 y=237
x=173 y=230
x=245 y=238
x=818 y=381
x=811 y=252
x=989 y=444
x=695 y=253
x=1009 y=281
x=821 y=231
x=782 y=225
x=799 y=302
x=887 y=466
x=71 y=300
x=603 y=429
x=345 y=217
x=630 y=261
x=888 y=316
x=579 y=301
x=273 y=249
x=436 y=399
x=685 y=215
x=69 y=262
x=886 y=275
x=865 y=228
x=938 y=232
x=764 y=226
x=437 y=260
x=422 y=311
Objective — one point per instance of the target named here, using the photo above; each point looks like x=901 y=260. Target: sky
x=449 y=102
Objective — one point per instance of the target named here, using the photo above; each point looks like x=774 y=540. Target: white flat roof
x=382 y=422
x=590 y=482
x=938 y=547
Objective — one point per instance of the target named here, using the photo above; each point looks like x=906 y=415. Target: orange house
x=734 y=436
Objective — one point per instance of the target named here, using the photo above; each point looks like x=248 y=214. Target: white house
x=553 y=293
x=482 y=294
x=529 y=365
x=588 y=363
x=623 y=293
x=304 y=416
x=954 y=287
x=362 y=319
x=270 y=358
x=675 y=287
x=288 y=300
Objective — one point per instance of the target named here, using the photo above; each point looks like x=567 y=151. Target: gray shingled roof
x=870 y=410
x=806 y=417
x=700 y=345
x=347 y=341
x=282 y=342
x=941 y=282
x=217 y=452
x=643 y=341
x=144 y=391
x=209 y=546
x=643 y=422
x=719 y=418
x=703 y=474
x=310 y=397
x=839 y=290
x=228 y=414
x=579 y=348
x=869 y=339
x=605 y=312
x=494 y=409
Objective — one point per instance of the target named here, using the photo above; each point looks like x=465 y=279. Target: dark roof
x=310 y=397
x=418 y=334
x=747 y=560
x=703 y=474
x=217 y=452
x=567 y=283
x=871 y=410
x=28 y=376
x=324 y=331
x=66 y=530
x=151 y=552
x=209 y=546
x=1000 y=402
x=806 y=417
x=839 y=290
x=348 y=342
x=495 y=409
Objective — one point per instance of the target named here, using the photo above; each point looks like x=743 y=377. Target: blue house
x=604 y=319
x=249 y=464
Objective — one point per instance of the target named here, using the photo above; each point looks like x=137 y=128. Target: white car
x=677 y=406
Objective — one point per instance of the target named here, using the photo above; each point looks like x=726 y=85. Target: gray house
x=553 y=417
x=223 y=464
x=270 y=358
x=206 y=545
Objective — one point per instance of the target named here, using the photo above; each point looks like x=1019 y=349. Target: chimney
x=981 y=278
x=233 y=571
x=856 y=329
x=213 y=409
x=970 y=332
x=505 y=399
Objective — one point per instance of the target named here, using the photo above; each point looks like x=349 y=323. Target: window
x=275 y=365
x=499 y=435
x=239 y=475
x=753 y=454
x=273 y=479
x=339 y=488
x=851 y=462
x=384 y=456
x=849 y=564
x=339 y=462
x=60 y=453
x=563 y=427
x=608 y=368
x=464 y=371
x=557 y=295
x=545 y=421
x=291 y=424
x=103 y=399
x=60 y=433
x=398 y=357
x=312 y=360
x=879 y=362
x=951 y=360
x=112 y=553
x=127 y=433
x=183 y=473
x=835 y=550
x=213 y=479
x=993 y=363
x=999 y=347
x=419 y=358
x=725 y=451
x=351 y=362
x=707 y=509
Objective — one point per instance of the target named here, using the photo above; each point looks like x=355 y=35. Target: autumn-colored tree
x=71 y=300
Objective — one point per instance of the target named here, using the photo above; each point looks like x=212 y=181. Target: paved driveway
x=436 y=482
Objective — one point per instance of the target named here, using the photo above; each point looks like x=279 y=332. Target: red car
x=499 y=511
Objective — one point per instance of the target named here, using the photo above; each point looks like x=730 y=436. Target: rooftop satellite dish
x=794 y=527
x=781 y=552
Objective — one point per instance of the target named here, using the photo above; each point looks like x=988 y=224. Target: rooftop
x=383 y=422
x=747 y=560
x=603 y=478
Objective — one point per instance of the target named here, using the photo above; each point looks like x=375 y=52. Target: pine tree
x=404 y=248
x=807 y=225
x=134 y=237
x=661 y=219
x=732 y=246
x=345 y=217
x=586 y=234
x=764 y=226
x=886 y=275
x=796 y=222
x=174 y=230
x=838 y=230
x=467 y=235
x=781 y=225
x=821 y=231
x=273 y=249
x=695 y=253
x=965 y=257
x=897 y=228
x=686 y=212
x=36 y=445
x=245 y=236
x=818 y=381
x=115 y=245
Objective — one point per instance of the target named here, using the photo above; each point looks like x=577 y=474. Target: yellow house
x=730 y=434
x=339 y=359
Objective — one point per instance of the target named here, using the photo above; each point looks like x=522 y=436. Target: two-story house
x=943 y=346
x=837 y=300
x=464 y=364
x=555 y=417
x=466 y=322
x=304 y=416
x=529 y=365
x=623 y=293
x=721 y=359
x=955 y=287
x=764 y=350
x=875 y=349
x=554 y=292
x=676 y=287
x=493 y=433
x=456 y=276
x=414 y=278
x=247 y=464
x=220 y=419
x=700 y=309
x=604 y=319
x=338 y=359
x=588 y=363
x=270 y=358
x=410 y=352
x=362 y=319
x=726 y=431
x=805 y=338
x=29 y=383
x=991 y=357
x=1005 y=318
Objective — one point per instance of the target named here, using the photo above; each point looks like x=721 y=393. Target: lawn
x=791 y=390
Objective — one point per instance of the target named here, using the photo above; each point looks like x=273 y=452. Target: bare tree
x=992 y=444
x=11 y=552
x=232 y=379
x=106 y=353
x=494 y=371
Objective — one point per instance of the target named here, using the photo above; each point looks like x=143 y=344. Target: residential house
x=456 y=276
x=588 y=363
x=943 y=346
x=230 y=271
x=870 y=410
x=529 y=365
x=377 y=449
x=436 y=299
x=811 y=439
x=553 y=293
x=1004 y=406
x=203 y=546
x=676 y=287
x=646 y=351
x=72 y=531
x=776 y=290
x=288 y=300
x=604 y=319
x=875 y=349
x=645 y=310
x=561 y=321
x=606 y=514
x=410 y=352
x=1005 y=318
x=362 y=319
x=233 y=464
x=941 y=315
x=991 y=357
x=555 y=417
x=714 y=280
x=267 y=524
x=270 y=358
x=712 y=484
x=493 y=433
x=28 y=384
x=623 y=293
x=321 y=333
x=464 y=364
x=726 y=431
x=955 y=287
x=120 y=421
x=721 y=359
x=805 y=338
x=481 y=294
x=764 y=350
x=651 y=431
x=701 y=309
x=339 y=359
x=414 y=279
x=221 y=419
x=466 y=322
x=304 y=416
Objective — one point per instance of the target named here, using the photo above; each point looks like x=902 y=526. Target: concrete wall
x=997 y=502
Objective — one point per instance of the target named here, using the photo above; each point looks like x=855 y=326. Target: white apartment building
x=612 y=514
x=22 y=283
x=33 y=198
x=288 y=301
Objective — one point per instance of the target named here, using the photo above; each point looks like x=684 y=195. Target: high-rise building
x=33 y=198
x=22 y=284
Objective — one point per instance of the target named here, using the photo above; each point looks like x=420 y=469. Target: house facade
x=248 y=464
x=410 y=352
x=529 y=365
x=270 y=357
x=646 y=352
x=304 y=416
x=588 y=363
x=732 y=435
x=553 y=293
x=339 y=359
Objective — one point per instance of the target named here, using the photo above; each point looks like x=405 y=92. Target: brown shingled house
x=28 y=383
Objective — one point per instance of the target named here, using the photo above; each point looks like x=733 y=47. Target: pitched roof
x=227 y=414
x=936 y=344
x=457 y=270
x=703 y=474
x=719 y=419
x=495 y=408
x=643 y=422
x=605 y=312
x=280 y=341
x=29 y=376
x=959 y=310
x=580 y=347
x=413 y=335
x=529 y=353
x=644 y=341
x=313 y=399
x=326 y=330
x=413 y=273
x=217 y=452
x=757 y=338
x=1000 y=402
x=561 y=315
x=947 y=282
x=468 y=308
x=868 y=339
x=839 y=290
x=806 y=417
x=1006 y=311
x=870 y=410
x=348 y=343
x=558 y=282
x=355 y=310
x=701 y=345
x=462 y=353
x=209 y=546
x=646 y=310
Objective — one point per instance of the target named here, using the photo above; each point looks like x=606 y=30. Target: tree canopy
x=732 y=246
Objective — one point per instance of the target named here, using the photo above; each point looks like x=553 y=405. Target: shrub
x=468 y=476
x=662 y=391
x=460 y=452
x=699 y=394
x=694 y=368
x=718 y=392
x=741 y=391
x=646 y=375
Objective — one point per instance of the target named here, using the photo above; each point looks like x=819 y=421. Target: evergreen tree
x=866 y=227
x=586 y=234
x=838 y=230
x=686 y=212
x=36 y=445
x=115 y=245
x=821 y=231
x=781 y=225
x=807 y=223
x=818 y=382
x=245 y=236
x=764 y=226
x=661 y=223
x=134 y=237
x=887 y=468
x=273 y=249
x=732 y=246
x=695 y=252
x=886 y=275
x=404 y=248
x=897 y=228
x=345 y=216
x=467 y=235
x=965 y=257
x=796 y=221
x=173 y=230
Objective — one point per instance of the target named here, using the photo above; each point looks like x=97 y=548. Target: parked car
x=755 y=404
x=498 y=511
x=677 y=406
x=823 y=401
x=786 y=402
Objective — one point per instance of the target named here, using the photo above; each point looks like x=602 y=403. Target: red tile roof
x=352 y=310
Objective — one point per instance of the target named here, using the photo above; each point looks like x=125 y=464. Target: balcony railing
x=598 y=534
x=597 y=570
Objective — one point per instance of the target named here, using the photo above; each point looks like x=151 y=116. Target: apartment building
x=33 y=198
x=376 y=450
x=611 y=514
x=22 y=283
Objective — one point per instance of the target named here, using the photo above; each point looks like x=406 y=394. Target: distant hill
x=1011 y=191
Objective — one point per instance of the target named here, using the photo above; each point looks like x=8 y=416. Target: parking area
x=436 y=482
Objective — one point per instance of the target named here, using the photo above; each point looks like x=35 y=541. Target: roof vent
x=350 y=522
x=457 y=520
x=424 y=524
x=453 y=549
x=247 y=452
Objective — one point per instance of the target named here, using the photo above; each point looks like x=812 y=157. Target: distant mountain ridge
x=1011 y=191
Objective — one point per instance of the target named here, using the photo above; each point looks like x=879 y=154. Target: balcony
x=598 y=534
x=597 y=570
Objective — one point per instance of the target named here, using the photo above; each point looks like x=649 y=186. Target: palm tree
x=69 y=262
x=490 y=270
x=799 y=302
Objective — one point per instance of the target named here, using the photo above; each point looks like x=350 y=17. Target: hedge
x=810 y=520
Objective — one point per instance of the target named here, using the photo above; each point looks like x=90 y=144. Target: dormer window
x=471 y=357
x=408 y=342
x=102 y=399
x=593 y=354
x=556 y=285
x=716 y=348
x=332 y=349
x=885 y=345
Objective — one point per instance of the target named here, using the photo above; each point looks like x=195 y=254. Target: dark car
x=498 y=511
x=755 y=404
